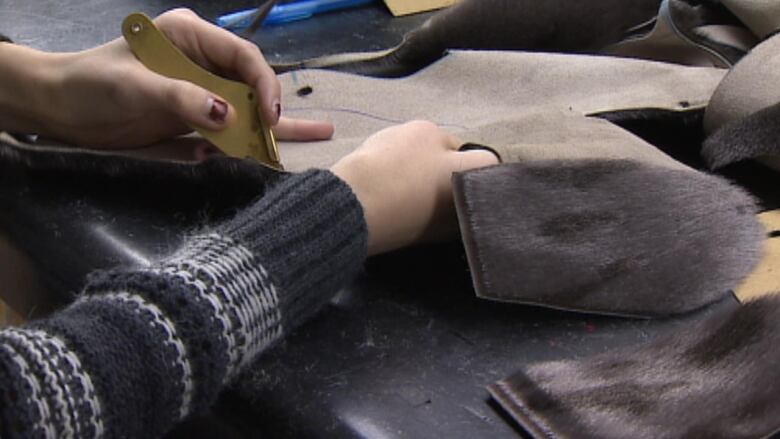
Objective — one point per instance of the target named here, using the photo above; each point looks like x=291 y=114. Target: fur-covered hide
x=221 y=183
x=749 y=87
x=568 y=26
x=551 y=25
x=754 y=136
x=605 y=236
x=716 y=379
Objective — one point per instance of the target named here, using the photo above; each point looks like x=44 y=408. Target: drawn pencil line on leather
x=368 y=115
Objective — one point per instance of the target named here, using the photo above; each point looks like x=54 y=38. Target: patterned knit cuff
x=311 y=236
x=142 y=349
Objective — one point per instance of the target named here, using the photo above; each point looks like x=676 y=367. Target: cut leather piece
x=692 y=35
x=717 y=379
x=552 y=136
x=605 y=236
x=553 y=25
x=762 y=16
x=754 y=136
x=469 y=90
x=749 y=87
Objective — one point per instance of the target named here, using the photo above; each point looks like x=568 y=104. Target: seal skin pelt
x=754 y=136
x=716 y=379
x=571 y=26
x=220 y=182
x=606 y=236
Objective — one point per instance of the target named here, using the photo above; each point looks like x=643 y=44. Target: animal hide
x=717 y=379
x=568 y=26
x=221 y=182
x=691 y=33
x=754 y=136
x=762 y=16
x=552 y=25
x=749 y=87
x=743 y=118
x=485 y=97
x=605 y=236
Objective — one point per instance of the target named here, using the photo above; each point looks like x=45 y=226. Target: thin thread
x=368 y=115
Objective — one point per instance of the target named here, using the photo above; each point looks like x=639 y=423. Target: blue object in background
x=288 y=12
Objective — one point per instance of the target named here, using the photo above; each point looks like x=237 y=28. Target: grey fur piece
x=131 y=176
x=605 y=236
x=716 y=379
x=754 y=136
x=103 y=164
x=551 y=25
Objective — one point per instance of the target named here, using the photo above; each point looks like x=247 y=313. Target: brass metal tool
x=247 y=135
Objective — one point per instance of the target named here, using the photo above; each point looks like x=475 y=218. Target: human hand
x=104 y=97
x=402 y=177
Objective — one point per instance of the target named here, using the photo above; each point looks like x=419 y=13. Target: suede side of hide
x=717 y=379
x=757 y=135
x=605 y=236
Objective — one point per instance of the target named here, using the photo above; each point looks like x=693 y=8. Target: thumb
x=194 y=105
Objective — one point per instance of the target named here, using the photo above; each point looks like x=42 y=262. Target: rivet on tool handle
x=247 y=135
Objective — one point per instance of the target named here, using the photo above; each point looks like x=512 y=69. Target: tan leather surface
x=762 y=16
x=765 y=278
x=468 y=91
x=750 y=86
x=562 y=135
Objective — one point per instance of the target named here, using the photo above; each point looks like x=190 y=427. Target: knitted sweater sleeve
x=143 y=348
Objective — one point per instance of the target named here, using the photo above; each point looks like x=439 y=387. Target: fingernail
x=218 y=110
x=278 y=109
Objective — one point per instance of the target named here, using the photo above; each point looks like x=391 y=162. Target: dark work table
x=67 y=26
x=404 y=352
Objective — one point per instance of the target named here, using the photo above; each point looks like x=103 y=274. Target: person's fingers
x=195 y=106
x=303 y=130
x=453 y=142
x=217 y=48
x=473 y=159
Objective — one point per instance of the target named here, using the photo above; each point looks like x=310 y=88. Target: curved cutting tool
x=247 y=136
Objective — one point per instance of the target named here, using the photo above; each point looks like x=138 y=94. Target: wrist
x=349 y=174
x=29 y=81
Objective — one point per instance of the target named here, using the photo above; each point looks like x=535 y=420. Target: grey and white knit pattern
x=61 y=394
x=227 y=276
x=152 y=314
x=143 y=348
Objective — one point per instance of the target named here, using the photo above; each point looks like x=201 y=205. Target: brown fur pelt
x=221 y=182
x=716 y=379
x=606 y=236
x=754 y=136
x=551 y=25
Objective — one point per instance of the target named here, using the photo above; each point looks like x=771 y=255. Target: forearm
x=145 y=347
x=26 y=78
